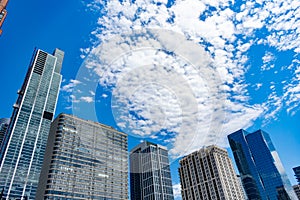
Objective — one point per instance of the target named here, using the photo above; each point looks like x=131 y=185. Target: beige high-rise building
x=208 y=174
x=3 y=12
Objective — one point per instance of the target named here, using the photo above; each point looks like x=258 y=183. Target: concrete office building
x=261 y=170
x=24 y=144
x=150 y=176
x=84 y=160
x=209 y=174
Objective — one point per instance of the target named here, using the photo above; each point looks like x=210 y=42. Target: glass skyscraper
x=297 y=173
x=23 y=147
x=84 y=160
x=261 y=171
x=4 y=122
x=150 y=176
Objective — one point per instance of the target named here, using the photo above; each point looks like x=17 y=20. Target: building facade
x=208 y=174
x=297 y=173
x=24 y=144
x=150 y=176
x=84 y=160
x=3 y=12
x=297 y=190
x=4 y=122
x=262 y=173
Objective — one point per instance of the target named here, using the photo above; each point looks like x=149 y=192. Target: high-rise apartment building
x=3 y=12
x=23 y=147
x=4 y=122
x=297 y=173
x=209 y=174
x=84 y=160
x=262 y=173
x=150 y=176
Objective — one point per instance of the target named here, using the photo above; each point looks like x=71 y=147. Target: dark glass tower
x=84 y=160
x=150 y=176
x=297 y=173
x=262 y=173
x=24 y=144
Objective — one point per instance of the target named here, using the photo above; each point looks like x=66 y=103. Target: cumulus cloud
x=180 y=68
x=177 y=191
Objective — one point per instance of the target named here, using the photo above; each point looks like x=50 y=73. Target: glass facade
x=297 y=173
x=209 y=174
x=150 y=176
x=262 y=173
x=84 y=160
x=23 y=147
x=4 y=122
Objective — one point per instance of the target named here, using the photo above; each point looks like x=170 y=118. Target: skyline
x=71 y=30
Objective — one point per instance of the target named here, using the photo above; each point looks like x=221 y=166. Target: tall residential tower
x=209 y=174
x=262 y=173
x=23 y=148
x=150 y=176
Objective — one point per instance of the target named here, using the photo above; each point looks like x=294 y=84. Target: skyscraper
x=209 y=174
x=84 y=160
x=297 y=190
x=262 y=173
x=297 y=173
x=24 y=144
x=3 y=127
x=150 y=176
x=3 y=12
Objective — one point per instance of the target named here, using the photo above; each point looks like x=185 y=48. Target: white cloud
x=69 y=87
x=104 y=95
x=177 y=190
x=87 y=99
x=201 y=102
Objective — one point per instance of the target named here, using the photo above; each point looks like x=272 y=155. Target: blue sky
x=180 y=73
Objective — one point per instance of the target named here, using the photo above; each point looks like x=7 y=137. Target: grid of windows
x=24 y=143
x=297 y=190
x=84 y=160
x=3 y=127
x=150 y=176
x=209 y=174
x=297 y=173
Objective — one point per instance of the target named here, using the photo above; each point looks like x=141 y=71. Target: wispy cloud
x=87 y=99
x=70 y=85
